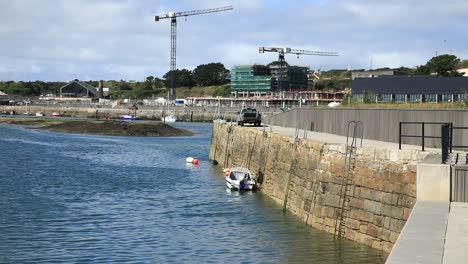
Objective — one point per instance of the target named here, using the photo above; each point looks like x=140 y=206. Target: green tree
x=404 y=70
x=422 y=70
x=123 y=86
x=368 y=97
x=147 y=88
x=183 y=78
x=444 y=65
x=210 y=74
x=16 y=88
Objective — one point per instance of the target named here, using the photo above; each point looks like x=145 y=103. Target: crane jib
x=193 y=12
x=283 y=51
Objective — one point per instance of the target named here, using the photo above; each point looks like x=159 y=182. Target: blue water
x=69 y=198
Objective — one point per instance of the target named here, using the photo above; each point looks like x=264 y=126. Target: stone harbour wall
x=182 y=114
x=306 y=178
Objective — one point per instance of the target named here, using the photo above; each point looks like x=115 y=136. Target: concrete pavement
x=422 y=239
x=456 y=245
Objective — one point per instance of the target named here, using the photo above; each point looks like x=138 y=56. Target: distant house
x=77 y=89
x=372 y=74
x=401 y=89
x=464 y=71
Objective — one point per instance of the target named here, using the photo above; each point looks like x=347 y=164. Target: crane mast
x=282 y=51
x=173 y=16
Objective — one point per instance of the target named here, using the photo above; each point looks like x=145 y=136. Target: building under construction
x=261 y=79
x=251 y=78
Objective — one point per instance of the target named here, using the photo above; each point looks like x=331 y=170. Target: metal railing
x=357 y=132
x=423 y=135
x=447 y=141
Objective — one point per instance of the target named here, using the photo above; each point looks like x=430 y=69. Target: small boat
x=127 y=117
x=219 y=120
x=39 y=114
x=240 y=179
x=169 y=118
x=56 y=114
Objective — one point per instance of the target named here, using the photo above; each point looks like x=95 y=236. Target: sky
x=62 y=40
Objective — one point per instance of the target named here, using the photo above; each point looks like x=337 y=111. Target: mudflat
x=100 y=127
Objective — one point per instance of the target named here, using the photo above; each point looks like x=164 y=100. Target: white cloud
x=110 y=39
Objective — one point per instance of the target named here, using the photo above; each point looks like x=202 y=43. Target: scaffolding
x=260 y=78
x=251 y=78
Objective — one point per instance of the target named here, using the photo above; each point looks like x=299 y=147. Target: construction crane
x=173 y=16
x=282 y=62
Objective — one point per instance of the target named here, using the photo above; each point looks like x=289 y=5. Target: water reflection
x=96 y=199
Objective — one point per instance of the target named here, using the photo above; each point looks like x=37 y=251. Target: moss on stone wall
x=306 y=178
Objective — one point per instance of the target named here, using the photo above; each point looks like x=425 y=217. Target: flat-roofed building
x=413 y=89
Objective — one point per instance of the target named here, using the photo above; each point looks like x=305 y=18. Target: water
x=68 y=198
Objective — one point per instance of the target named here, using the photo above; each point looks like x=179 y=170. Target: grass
x=455 y=105
x=196 y=91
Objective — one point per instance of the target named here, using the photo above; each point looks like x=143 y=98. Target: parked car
x=249 y=115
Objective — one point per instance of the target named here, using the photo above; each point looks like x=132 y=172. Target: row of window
x=413 y=98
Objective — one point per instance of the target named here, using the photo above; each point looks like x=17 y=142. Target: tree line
x=215 y=74
x=211 y=74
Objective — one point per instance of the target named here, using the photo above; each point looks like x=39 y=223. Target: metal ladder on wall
x=356 y=127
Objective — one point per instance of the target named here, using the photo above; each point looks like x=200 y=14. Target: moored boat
x=39 y=114
x=240 y=179
x=56 y=114
x=127 y=117
x=169 y=118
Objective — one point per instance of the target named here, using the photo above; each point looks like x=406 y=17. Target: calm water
x=69 y=198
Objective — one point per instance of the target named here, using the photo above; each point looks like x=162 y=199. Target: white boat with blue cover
x=240 y=179
x=127 y=117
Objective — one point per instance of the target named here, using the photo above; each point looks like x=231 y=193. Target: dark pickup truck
x=249 y=115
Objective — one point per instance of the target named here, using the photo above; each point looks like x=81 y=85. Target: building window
x=400 y=98
x=415 y=98
x=385 y=98
x=446 y=98
x=431 y=98
x=358 y=96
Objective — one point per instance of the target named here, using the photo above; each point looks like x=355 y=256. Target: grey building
x=78 y=89
x=401 y=89
x=372 y=74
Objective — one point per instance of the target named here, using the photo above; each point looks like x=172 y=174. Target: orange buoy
x=195 y=162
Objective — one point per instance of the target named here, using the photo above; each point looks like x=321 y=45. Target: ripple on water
x=95 y=199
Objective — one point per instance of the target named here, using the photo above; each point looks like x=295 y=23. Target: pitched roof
x=91 y=89
x=411 y=85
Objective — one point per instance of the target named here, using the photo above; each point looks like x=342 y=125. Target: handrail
x=357 y=129
x=447 y=141
x=422 y=136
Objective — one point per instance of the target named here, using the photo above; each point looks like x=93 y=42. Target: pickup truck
x=249 y=115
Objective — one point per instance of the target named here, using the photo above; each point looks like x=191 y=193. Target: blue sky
x=118 y=39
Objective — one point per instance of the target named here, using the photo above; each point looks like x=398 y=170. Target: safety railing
x=447 y=140
x=423 y=135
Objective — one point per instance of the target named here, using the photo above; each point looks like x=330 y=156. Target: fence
x=447 y=131
x=423 y=135
x=379 y=124
x=459 y=184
